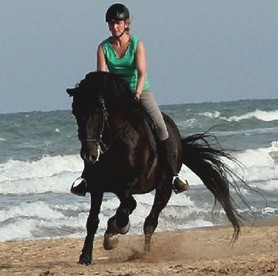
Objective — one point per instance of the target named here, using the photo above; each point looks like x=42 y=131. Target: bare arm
x=101 y=62
x=141 y=65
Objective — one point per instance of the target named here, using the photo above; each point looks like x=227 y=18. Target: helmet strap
x=119 y=36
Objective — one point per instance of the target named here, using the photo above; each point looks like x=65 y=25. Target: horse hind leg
x=161 y=199
x=119 y=223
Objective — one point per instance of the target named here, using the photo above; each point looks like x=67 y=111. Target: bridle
x=98 y=139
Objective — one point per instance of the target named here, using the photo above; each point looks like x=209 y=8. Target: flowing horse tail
x=206 y=163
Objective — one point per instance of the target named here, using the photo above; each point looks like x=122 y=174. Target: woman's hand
x=137 y=96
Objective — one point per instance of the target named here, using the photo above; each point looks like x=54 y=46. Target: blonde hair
x=128 y=22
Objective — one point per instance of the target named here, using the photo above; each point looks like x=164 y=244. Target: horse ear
x=71 y=91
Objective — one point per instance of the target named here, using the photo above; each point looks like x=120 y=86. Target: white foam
x=269 y=210
x=20 y=229
x=213 y=115
x=185 y=124
x=57 y=184
x=35 y=209
x=46 y=166
x=162 y=227
x=274 y=151
x=260 y=167
x=49 y=174
x=270 y=185
x=266 y=116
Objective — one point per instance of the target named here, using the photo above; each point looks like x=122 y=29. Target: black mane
x=109 y=84
x=112 y=87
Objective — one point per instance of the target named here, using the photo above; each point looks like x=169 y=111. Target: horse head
x=94 y=98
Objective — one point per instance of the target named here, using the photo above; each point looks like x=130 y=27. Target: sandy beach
x=193 y=252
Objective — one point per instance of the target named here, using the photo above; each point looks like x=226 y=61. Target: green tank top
x=126 y=65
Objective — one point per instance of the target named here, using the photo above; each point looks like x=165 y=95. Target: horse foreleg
x=161 y=199
x=119 y=223
x=92 y=225
x=110 y=237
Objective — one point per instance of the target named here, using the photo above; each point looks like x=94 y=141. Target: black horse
x=122 y=156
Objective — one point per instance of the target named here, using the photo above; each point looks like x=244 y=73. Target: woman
x=124 y=54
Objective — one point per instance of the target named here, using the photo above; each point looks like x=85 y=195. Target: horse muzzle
x=90 y=152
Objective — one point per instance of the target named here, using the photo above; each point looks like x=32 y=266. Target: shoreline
x=256 y=223
x=201 y=251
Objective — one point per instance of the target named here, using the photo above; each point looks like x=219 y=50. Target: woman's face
x=117 y=27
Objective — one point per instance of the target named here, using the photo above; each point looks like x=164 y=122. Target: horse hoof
x=85 y=260
x=110 y=242
x=147 y=248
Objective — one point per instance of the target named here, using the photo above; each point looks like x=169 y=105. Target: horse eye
x=81 y=118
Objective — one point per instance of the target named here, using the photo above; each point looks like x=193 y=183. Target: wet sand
x=193 y=252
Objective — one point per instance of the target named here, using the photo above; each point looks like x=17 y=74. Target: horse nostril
x=92 y=159
x=89 y=159
x=90 y=152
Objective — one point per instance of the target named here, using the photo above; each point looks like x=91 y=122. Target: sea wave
x=266 y=116
x=260 y=168
x=55 y=174
x=47 y=166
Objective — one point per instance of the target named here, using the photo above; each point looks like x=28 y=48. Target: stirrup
x=81 y=188
x=180 y=186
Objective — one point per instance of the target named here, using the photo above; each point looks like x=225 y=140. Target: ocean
x=40 y=159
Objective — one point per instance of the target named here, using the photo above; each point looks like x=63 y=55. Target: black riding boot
x=81 y=188
x=168 y=156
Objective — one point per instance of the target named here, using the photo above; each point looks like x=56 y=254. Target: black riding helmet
x=117 y=12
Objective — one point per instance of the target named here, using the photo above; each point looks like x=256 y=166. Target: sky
x=197 y=50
